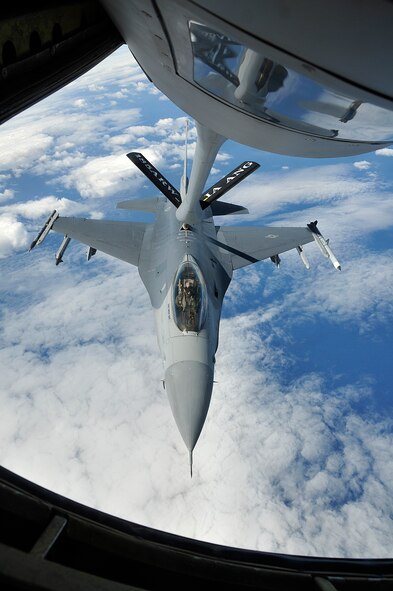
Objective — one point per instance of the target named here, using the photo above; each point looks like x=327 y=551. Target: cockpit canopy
x=189 y=298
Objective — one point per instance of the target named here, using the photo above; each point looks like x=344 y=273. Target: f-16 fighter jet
x=186 y=263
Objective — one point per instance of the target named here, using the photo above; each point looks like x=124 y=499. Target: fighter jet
x=186 y=263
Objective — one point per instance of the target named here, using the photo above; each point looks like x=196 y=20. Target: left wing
x=122 y=240
x=250 y=244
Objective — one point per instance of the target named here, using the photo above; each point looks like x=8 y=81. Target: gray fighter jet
x=186 y=263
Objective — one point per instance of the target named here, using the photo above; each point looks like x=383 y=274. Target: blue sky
x=295 y=455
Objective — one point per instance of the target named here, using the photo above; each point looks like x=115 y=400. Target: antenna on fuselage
x=184 y=179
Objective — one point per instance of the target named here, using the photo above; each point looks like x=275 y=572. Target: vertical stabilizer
x=191 y=463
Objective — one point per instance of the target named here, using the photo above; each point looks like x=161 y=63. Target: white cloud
x=7 y=195
x=16 y=235
x=96 y=215
x=348 y=222
x=19 y=149
x=79 y=103
x=289 y=469
x=103 y=176
x=384 y=152
x=362 y=165
x=292 y=469
x=358 y=295
x=36 y=208
x=141 y=86
x=45 y=145
x=266 y=192
x=56 y=133
x=59 y=160
x=169 y=130
x=13 y=235
x=65 y=146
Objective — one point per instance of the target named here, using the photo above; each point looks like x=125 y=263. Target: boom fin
x=155 y=177
x=230 y=180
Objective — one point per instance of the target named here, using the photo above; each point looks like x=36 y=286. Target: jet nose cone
x=189 y=387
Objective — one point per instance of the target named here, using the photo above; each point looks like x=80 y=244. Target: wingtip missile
x=43 y=233
x=323 y=245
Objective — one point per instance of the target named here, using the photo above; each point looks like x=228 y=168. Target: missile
x=302 y=255
x=323 y=245
x=332 y=256
x=42 y=234
x=62 y=249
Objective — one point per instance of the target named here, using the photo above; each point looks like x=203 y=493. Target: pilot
x=190 y=290
x=181 y=296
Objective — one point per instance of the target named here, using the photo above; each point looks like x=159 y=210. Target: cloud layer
x=290 y=469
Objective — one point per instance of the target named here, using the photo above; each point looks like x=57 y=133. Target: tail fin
x=184 y=178
x=155 y=177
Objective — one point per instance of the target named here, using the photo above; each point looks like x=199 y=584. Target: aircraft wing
x=248 y=244
x=122 y=240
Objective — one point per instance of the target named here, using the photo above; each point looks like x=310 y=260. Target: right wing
x=122 y=240
x=250 y=244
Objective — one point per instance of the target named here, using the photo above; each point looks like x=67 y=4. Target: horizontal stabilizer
x=224 y=208
x=156 y=177
x=149 y=205
x=230 y=180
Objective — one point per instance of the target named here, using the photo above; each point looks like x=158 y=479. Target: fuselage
x=186 y=277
